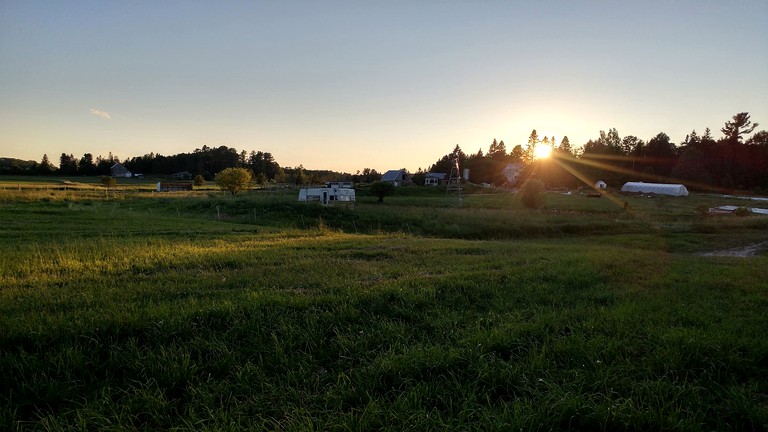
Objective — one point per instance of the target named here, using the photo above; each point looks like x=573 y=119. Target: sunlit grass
x=206 y=312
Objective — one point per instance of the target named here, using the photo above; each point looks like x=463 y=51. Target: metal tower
x=453 y=190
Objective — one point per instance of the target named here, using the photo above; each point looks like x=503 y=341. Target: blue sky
x=348 y=85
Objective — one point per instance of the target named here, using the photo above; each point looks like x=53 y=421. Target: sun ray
x=589 y=161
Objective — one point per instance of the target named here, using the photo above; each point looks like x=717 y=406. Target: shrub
x=108 y=181
x=199 y=180
x=532 y=194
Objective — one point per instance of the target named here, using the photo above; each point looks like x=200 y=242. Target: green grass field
x=199 y=311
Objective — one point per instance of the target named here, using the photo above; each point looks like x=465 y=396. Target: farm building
x=655 y=188
x=435 y=179
x=333 y=191
x=512 y=172
x=119 y=170
x=173 y=187
x=397 y=177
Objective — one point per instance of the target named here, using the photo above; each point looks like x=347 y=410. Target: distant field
x=199 y=311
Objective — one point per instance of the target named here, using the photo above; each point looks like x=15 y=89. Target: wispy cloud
x=102 y=114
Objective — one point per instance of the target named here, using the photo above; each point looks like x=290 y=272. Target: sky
x=347 y=85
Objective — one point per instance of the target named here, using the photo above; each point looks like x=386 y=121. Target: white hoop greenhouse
x=655 y=188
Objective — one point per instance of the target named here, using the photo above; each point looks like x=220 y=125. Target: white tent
x=600 y=185
x=655 y=188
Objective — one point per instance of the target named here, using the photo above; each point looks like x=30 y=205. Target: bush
x=199 y=180
x=108 y=181
x=532 y=194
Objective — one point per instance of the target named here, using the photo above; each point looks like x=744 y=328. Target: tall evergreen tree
x=533 y=141
x=45 y=167
x=67 y=165
x=740 y=125
x=497 y=151
x=493 y=148
x=86 y=166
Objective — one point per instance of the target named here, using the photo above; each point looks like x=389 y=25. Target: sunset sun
x=542 y=151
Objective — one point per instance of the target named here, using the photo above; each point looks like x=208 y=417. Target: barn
x=397 y=177
x=119 y=170
x=655 y=188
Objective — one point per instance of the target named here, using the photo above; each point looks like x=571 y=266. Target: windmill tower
x=453 y=190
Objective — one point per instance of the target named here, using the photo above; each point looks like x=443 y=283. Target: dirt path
x=744 y=251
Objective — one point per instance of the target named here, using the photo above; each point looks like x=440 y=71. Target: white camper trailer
x=332 y=192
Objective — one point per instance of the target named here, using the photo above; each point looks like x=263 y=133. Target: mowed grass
x=211 y=313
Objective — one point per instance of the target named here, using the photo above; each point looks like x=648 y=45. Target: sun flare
x=542 y=151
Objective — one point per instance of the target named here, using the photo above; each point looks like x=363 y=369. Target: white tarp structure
x=733 y=208
x=655 y=188
x=600 y=185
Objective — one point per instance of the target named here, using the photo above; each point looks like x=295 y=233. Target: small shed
x=435 y=179
x=397 y=177
x=655 y=188
x=119 y=170
x=600 y=185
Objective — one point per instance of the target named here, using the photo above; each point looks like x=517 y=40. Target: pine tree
x=741 y=125
x=533 y=141
x=45 y=167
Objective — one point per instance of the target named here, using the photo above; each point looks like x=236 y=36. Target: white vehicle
x=332 y=192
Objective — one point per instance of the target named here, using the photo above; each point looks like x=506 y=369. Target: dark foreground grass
x=124 y=318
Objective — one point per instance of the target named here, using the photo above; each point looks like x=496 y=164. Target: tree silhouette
x=741 y=125
x=382 y=189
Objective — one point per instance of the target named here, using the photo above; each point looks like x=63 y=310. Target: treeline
x=205 y=162
x=735 y=161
